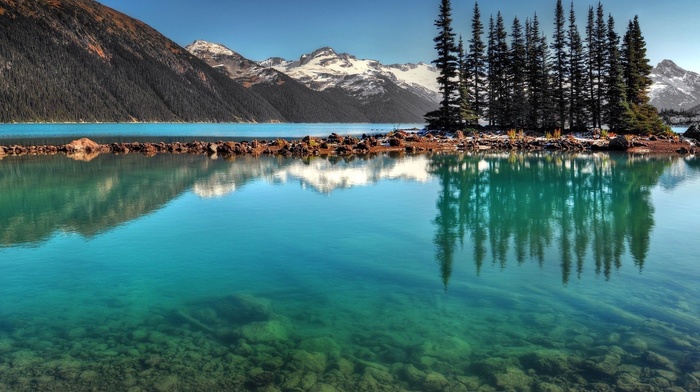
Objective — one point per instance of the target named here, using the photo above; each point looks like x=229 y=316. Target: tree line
x=520 y=80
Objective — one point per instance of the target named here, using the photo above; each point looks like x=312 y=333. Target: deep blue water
x=443 y=272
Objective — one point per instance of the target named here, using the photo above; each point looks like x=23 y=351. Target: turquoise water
x=107 y=133
x=543 y=272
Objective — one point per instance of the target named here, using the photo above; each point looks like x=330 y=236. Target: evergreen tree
x=637 y=71
x=476 y=65
x=577 y=76
x=499 y=78
x=466 y=114
x=518 y=75
x=559 y=66
x=596 y=42
x=446 y=117
x=491 y=72
x=538 y=97
x=616 y=111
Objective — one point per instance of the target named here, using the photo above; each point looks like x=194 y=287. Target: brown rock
x=619 y=143
x=82 y=145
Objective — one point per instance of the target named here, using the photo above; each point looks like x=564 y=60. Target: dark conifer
x=559 y=66
x=446 y=117
x=476 y=65
x=578 y=84
x=518 y=77
x=616 y=111
x=537 y=77
x=637 y=71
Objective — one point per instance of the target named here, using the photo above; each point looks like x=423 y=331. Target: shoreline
x=410 y=142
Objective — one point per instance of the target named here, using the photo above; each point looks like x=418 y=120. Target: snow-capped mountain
x=674 y=87
x=324 y=69
x=328 y=87
x=237 y=67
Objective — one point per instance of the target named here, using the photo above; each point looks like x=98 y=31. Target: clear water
x=517 y=272
x=108 y=133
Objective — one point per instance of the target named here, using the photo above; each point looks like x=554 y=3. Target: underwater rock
x=301 y=360
x=627 y=383
x=447 y=348
x=258 y=377
x=434 y=382
x=605 y=365
x=658 y=360
x=324 y=345
x=321 y=387
x=265 y=331
x=513 y=379
x=345 y=367
x=166 y=383
x=547 y=387
x=549 y=362
x=412 y=374
x=636 y=345
x=690 y=382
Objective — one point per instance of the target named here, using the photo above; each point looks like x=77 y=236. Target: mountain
x=674 y=87
x=77 y=60
x=296 y=102
x=335 y=86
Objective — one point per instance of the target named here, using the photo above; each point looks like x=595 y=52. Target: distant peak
x=210 y=47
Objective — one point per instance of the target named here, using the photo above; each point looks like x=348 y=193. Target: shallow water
x=518 y=272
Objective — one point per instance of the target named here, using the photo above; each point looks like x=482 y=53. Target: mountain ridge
x=338 y=87
x=674 y=87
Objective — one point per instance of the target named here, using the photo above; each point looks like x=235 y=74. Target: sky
x=393 y=31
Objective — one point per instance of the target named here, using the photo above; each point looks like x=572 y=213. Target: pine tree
x=616 y=110
x=476 y=65
x=491 y=73
x=637 y=71
x=537 y=77
x=466 y=114
x=596 y=42
x=498 y=60
x=446 y=117
x=518 y=77
x=559 y=66
x=577 y=76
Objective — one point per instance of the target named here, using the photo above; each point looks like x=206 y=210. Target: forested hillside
x=76 y=60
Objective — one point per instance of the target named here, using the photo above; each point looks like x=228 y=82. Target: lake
x=108 y=133
x=539 y=272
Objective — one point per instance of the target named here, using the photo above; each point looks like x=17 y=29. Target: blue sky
x=392 y=31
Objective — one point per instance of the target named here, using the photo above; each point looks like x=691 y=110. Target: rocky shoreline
x=397 y=141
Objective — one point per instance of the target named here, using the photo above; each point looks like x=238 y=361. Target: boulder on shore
x=82 y=145
x=693 y=132
x=619 y=143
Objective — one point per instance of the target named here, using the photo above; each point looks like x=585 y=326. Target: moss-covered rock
x=513 y=379
x=265 y=331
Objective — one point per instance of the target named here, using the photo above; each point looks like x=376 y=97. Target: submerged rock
x=262 y=332
x=324 y=345
x=513 y=379
x=447 y=348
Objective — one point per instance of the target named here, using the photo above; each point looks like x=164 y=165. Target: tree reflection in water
x=580 y=204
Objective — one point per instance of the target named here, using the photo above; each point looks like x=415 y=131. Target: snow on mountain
x=674 y=87
x=324 y=69
x=237 y=67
